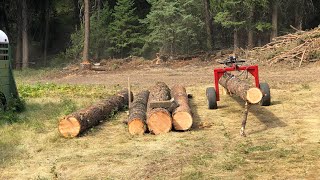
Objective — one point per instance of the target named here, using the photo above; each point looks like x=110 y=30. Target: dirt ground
x=283 y=139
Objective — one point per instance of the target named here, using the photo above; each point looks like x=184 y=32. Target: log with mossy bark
x=78 y=122
x=241 y=88
x=159 y=120
x=181 y=116
x=137 y=114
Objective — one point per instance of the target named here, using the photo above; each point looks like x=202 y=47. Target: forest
x=52 y=32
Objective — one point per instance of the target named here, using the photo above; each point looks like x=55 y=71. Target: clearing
x=283 y=140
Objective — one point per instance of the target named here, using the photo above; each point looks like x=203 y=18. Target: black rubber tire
x=266 y=99
x=211 y=98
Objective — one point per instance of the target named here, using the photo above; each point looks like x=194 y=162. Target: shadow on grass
x=265 y=116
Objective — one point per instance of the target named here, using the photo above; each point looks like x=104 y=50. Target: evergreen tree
x=175 y=26
x=124 y=30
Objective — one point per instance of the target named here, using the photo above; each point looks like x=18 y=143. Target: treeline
x=50 y=32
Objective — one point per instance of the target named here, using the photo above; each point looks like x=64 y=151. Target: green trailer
x=8 y=89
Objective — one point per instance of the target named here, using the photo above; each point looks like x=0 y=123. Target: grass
x=283 y=139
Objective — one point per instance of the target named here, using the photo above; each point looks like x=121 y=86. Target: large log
x=240 y=88
x=137 y=114
x=181 y=116
x=78 y=122
x=159 y=119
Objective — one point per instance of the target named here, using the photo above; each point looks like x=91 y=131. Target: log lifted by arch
x=251 y=95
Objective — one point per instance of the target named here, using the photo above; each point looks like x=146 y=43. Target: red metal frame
x=218 y=73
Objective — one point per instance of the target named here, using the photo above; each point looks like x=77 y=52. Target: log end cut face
x=159 y=122
x=254 y=95
x=136 y=127
x=69 y=127
x=182 y=121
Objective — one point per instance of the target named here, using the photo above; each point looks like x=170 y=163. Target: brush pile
x=297 y=48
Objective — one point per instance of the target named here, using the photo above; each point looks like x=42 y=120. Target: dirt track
x=189 y=75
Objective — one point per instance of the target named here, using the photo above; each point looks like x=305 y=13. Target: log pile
x=155 y=111
x=297 y=48
x=80 y=121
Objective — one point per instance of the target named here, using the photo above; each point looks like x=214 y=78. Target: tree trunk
x=46 y=36
x=78 y=122
x=86 y=31
x=181 y=116
x=137 y=114
x=235 y=40
x=25 y=48
x=274 y=32
x=298 y=15
x=18 y=60
x=240 y=88
x=159 y=119
x=250 y=29
x=209 y=27
x=98 y=2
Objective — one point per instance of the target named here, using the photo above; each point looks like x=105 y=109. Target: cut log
x=181 y=116
x=78 y=122
x=137 y=114
x=159 y=120
x=240 y=88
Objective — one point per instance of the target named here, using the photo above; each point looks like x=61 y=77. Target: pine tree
x=124 y=30
x=175 y=26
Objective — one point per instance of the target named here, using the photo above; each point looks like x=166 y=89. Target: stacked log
x=78 y=122
x=137 y=114
x=159 y=120
x=181 y=116
x=236 y=86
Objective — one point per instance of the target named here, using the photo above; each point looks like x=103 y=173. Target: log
x=240 y=88
x=78 y=122
x=181 y=116
x=159 y=120
x=137 y=114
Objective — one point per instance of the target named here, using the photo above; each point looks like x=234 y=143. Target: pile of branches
x=296 y=48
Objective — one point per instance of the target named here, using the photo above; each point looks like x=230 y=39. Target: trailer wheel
x=266 y=99
x=211 y=98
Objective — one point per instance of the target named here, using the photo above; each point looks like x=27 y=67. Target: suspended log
x=240 y=88
x=181 y=116
x=137 y=114
x=159 y=119
x=78 y=122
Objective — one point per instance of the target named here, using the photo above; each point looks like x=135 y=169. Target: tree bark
x=181 y=116
x=274 y=32
x=25 y=48
x=137 y=114
x=86 y=31
x=46 y=36
x=159 y=120
x=209 y=27
x=240 y=88
x=78 y=122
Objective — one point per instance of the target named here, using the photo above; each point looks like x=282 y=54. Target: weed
x=193 y=175
x=306 y=86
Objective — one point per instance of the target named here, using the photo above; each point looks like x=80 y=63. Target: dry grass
x=283 y=142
